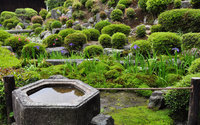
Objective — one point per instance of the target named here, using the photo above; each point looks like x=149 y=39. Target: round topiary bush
x=142 y=4
x=156 y=28
x=125 y=2
x=76 y=5
x=157 y=6
x=69 y=23
x=11 y=23
x=195 y=66
x=34 y=26
x=177 y=3
x=130 y=13
x=118 y=40
x=141 y=31
x=38 y=30
x=37 y=19
x=48 y=23
x=17 y=42
x=87 y=33
x=105 y=40
x=78 y=14
x=56 y=24
x=53 y=40
x=66 y=32
x=94 y=34
x=75 y=41
x=184 y=20
x=4 y=35
x=63 y=19
x=114 y=28
x=43 y=13
x=33 y=50
x=103 y=15
x=195 y=3
x=165 y=41
x=68 y=3
x=116 y=15
x=93 y=50
x=141 y=46
x=121 y=7
x=101 y=24
x=191 y=40
x=89 y=4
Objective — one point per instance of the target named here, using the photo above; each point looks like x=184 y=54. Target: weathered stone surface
x=56 y=30
x=57 y=77
x=155 y=22
x=186 y=4
x=8 y=47
x=110 y=51
x=55 y=14
x=18 y=27
x=76 y=23
x=127 y=47
x=57 y=49
x=45 y=34
x=79 y=112
x=62 y=61
x=98 y=17
x=102 y=120
x=91 y=20
x=86 y=25
x=156 y=100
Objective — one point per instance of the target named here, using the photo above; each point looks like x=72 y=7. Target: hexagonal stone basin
x=55 y=94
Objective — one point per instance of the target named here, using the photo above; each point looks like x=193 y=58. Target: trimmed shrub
x=118 y=40
x=66 y=32
x=68 y=3
x=17 y=42
x=43 y=13
x=112 y=74
x=142 y=4
x=75 y=41
x=69 y=23
x=195 y=66
x=103 y=15
x=116 y=15
x=8 y=14
x=33 y=50
x=76 y=5
x=141 y=46
x=157 y=6
x=37 y=19
x=184 y=20
x=21 y=24
x=63 y=19
x=34 y=26
x=121 y=7
x=125 y=2
x=48 y=23
x=89 y=4
x=53 y=40
x=114 y=28
x=78 y=14
x=48 y=15
x=104 y=1
x=94 y=34
x=56 y=24
x=38 y=30
x=10 y=23
x=105 y=40
x=87 y=33
x=177 y=3
x=130 y=13
x=145 y=93
x=101 y=24
x=111 y=3
x=83 y=2
x=156 y=28
x=93 y=50
x=4 y=35
x=54 y=3
x=191 y=40
x=30 y=13
x=141 y=31
x=165 y=41
x=95 y=9
x=195 y=3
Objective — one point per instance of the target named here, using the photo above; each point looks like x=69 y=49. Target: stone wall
x=11 y=5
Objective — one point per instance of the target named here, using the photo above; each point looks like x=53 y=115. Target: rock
x=45 y=34
x=76 y=22
x=57 y=49
x=156 y=100
x=57 y=77
x=91 y=20
x=56 y=30
x=8 y=47
x=155 y=22
x=108 y=12
x=70 y=8
x=98 y=18
x=14 y=123
x=127 y=47
x=91 y=43
x=86 y=25
x=64 y=26
x=109 y=51
x=89 y=27
x=69 y=14
x=55 y=14
x=59 y=12
x=186 y=4
x=18 y=27
x=148 y=27
x=102 y=120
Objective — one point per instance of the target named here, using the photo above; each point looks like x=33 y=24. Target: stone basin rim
x=89 y=92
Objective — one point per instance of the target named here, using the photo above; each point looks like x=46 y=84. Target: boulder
x=57 y=49
x=110 y=51
x=76 y=23
x=102 y=120
x=186 y=4
x=55 y=14
x=156 y=100
x=8 y=47
x=98 y=18
x=91 y=20
x=127 y=47
x=45 y=34
x=56 y=30
x=57 y=77
x=18 y=27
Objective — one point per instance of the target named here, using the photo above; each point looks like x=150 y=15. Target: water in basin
x=56 y=94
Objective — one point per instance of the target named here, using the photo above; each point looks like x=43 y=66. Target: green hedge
x=101 y=24
x=184 y=20
x=118 y=40
x=93 y=50
x=114 y=28
x=191 y=40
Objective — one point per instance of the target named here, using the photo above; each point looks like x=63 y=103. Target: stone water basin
x=55 y=102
